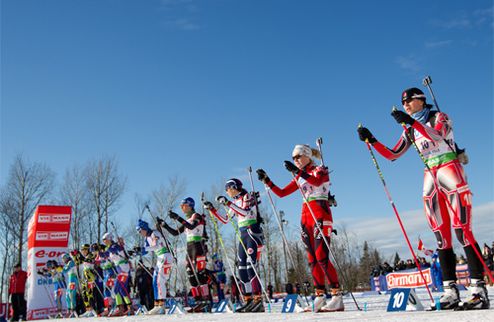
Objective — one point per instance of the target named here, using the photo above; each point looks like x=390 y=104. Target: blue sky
x=203 y=89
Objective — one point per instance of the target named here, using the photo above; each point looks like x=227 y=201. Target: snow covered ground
x=375 y=311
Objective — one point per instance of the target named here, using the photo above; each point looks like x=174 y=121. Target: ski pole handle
x=427 y=81
x=359 y=126
x=319 y=144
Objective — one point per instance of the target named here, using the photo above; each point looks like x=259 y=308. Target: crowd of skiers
x=101 y=272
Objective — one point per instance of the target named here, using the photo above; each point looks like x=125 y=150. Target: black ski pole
x=343 y=273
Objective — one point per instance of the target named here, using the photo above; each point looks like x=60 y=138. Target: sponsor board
x=409 y=279
x=48 y=237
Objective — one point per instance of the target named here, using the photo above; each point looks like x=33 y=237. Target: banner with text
x=48 y=238
x=408 y=279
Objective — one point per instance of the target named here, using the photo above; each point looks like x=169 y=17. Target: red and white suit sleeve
x=397 y=151
x=290 y=188
x=221 y=217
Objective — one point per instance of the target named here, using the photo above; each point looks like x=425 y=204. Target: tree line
x=95 y=190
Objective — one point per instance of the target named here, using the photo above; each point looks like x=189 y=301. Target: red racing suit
x=446 y=195
x=314 y=182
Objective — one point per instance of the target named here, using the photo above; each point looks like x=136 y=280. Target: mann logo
x=59 y=236
x=65 y=218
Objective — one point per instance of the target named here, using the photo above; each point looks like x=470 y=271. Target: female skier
x=251 y=240
x=154 y=241
x=314 y=182
x=433 y=134
x=194 y=228
x=70 y=269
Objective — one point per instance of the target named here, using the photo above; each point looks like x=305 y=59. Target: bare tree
x=28 y=185
x=7 y=245
x=106 y=185
x=74 y=192
x=345 y=249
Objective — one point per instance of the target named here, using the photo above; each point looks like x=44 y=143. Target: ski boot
x=72 y=314
x=120 y=311
x=89 y=313
x=450 y=298
x=256 y=305
x=248 y=302
x=336 y=302
x=478 y=300
x=105 y=312
x=207 y=308
x=130 y=310
x=159 y=308
x=320 y=300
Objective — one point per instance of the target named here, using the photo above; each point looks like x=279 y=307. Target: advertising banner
x=408 y=279
x=48 y=238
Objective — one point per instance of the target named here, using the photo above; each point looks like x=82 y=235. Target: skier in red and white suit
x=314 y=182
x=433 y=135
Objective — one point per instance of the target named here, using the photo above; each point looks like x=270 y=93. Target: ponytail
x=316 y=154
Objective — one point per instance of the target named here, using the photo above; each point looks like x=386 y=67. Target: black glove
x=365 y=135
x=402 y=117
x=173 y=215
x=222 y=200
x=291 y=167
x=262 y=176
x=138 y=250
x=208 y=205
x=159 y=221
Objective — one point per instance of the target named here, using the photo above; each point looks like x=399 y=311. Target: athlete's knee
x=440 y=240
x=460 y=235
x=252 y=253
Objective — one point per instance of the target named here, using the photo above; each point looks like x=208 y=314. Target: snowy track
x=375 y=305
x=474 y=316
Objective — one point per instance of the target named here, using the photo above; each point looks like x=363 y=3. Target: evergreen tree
x=397 y=259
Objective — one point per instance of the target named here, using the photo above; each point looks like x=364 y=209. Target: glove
x=138 y=250
x=291 y=167
x=208 y=205
x=173 y=215
x=365 y=135
x=402 y=117
x=262 y=176
x=222 y=200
